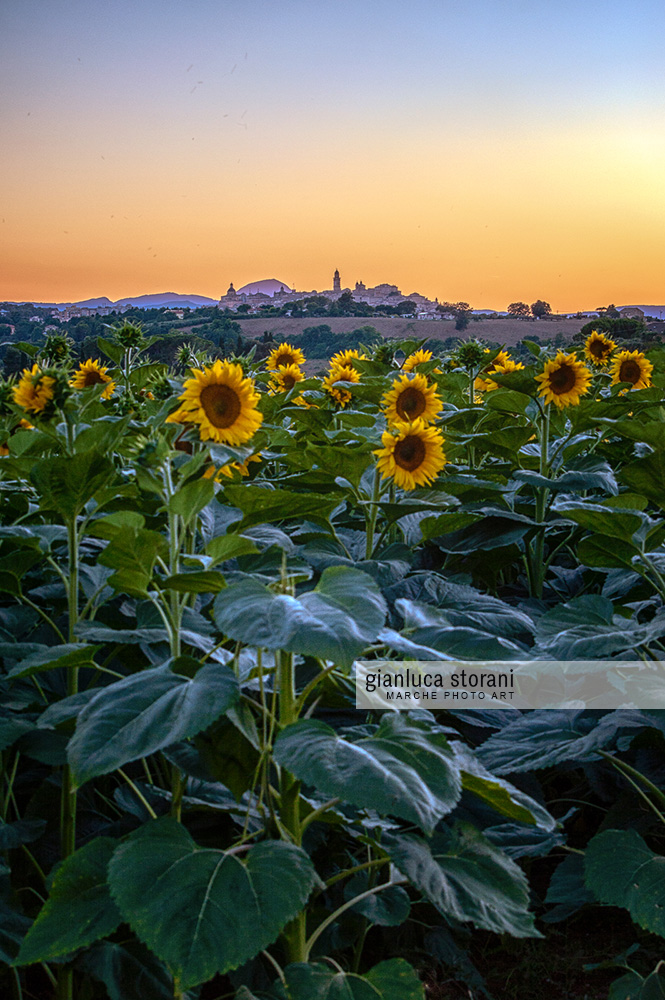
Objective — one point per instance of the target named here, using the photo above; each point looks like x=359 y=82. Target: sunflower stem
x=371 y=514
x=542 y=492
x=289 y=793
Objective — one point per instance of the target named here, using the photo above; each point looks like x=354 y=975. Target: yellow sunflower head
x=34 y=391
x=482 y=382
x=487 y=384
x=222 y=402
x=344 y=358
x=230 y=469
x=412 y=454
x=598 y=347
x=411 y=398
x=4 y=450
x=285 y=355
x=90 y=373
x=564 y=380
x=284 y=379
x=415 y=359
x=633 y=367
x=340 y=373
x=305 y=403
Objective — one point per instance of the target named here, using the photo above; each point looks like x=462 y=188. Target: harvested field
x=504 y=330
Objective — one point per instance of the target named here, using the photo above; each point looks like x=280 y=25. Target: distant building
x=631 y=312
x=337 y=284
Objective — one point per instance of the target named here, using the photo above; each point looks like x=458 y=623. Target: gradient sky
x=484 y=150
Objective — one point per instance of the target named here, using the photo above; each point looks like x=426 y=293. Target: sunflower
x=410 y=398
x=284 y=379
x=487 y=384
x=340 y=373
x=598 y=347
x=34 y=390
x=230 y=468
x=417 y=358
x=344 y=358
x=412 y=454
x=631 y=366
x=482 y=382
x=92 y=373
x=4 y=450
x=222 y=402
x=305 y=403
x=286 y=355
x=564 y=380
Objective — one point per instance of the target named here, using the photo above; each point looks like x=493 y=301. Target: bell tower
x=337 y=284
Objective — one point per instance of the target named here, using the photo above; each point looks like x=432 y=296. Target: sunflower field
x=191 y=806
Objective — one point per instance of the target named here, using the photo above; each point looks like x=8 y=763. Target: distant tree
x=618 y=329
x=462 y=313
x=239 y=345
x=244 y=308
x=520 y=310
x=406 y=308
x=611 y=311
x=540 y=309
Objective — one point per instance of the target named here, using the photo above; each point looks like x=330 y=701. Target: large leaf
x=620 y=524
x=203 y=911
x=567 y=890
x=467 y=878
x=23 y=831
x=53 y=657
x=191 y=498
x=79 y=909
x=621 y=870
x=646 y=476
x=260 y=505
x=13 y=928
x=128 y=971
x=335 y=621
x=493 y=530
x=67 y=483
x=132 y=553
x=391 y=980
x=402 y=770
x=428 y=626
x=498 y=793
x=545 y=737
x=633 y=987
x=466 y=606
x=146 y=712
x=388 y=908
x=586 y=628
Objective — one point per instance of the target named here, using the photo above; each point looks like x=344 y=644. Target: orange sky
x=177 y=147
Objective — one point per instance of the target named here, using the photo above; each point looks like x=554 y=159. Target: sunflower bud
x=129 y=335
x=57 y=349
x=470 y=354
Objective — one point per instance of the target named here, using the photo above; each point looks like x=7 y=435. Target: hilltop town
x=380 y=295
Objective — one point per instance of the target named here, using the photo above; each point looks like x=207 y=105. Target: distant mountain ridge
x=157 y=301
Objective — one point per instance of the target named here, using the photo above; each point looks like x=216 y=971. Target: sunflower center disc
x=562 y=380
x=284 y=359
x=630 y=372
x=92 y=378
x=221 y=405
x=409 y=453
x=598 y=349
x=410 y=403
x=288 y=382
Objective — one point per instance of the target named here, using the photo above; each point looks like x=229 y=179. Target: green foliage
x=204 y=911
x=176 y=658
